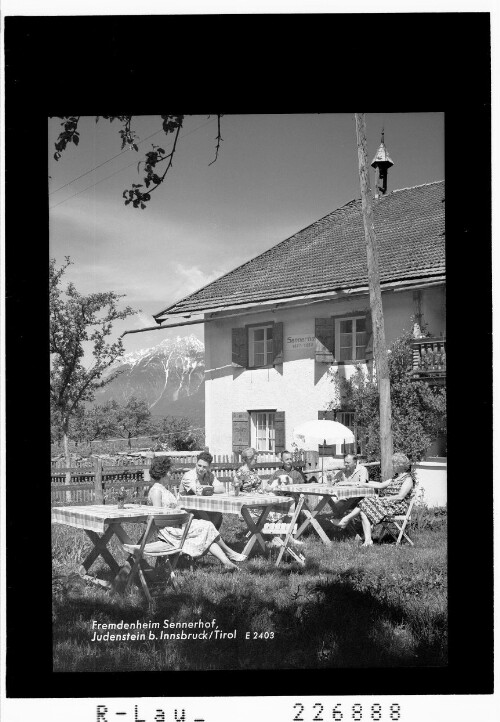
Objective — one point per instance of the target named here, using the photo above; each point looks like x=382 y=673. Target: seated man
x=352 y=473
x=285 y=475
x=195 y=480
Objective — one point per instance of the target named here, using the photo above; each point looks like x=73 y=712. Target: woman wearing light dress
x=246 y=477
x=393 y=499
x=202 y=537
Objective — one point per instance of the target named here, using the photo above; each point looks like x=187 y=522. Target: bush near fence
x=84 y=488
x=108 y=446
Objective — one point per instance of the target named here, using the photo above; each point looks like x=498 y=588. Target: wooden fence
x=95 y=482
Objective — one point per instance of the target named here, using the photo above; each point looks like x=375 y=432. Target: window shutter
x=240 y=347
x=369 y=336
x=279 y=431
x=241 y=431
x=325 y=340
x=278 y=343
x=326 y=415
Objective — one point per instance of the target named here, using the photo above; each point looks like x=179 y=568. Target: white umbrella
x=311 y=434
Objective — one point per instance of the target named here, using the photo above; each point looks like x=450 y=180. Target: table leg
x=100 y=549
x=310 y=519
x=121 y=575
x=254 y=528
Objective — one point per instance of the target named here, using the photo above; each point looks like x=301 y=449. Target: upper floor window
x=350 y=338
x=260 y=345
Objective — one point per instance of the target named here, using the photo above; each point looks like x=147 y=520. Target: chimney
x=382 y=162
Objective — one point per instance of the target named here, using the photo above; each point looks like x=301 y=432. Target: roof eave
x=438 y=278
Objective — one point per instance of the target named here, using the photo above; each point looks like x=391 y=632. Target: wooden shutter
x=324 y=331
x=279 y=432
x=326 y=415
x=240 y=347
x=241 y=431
x=369 y=336
x=278 y=343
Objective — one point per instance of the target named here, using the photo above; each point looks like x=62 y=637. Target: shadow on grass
x=320 y=624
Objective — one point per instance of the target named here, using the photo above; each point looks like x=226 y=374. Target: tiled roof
x=330 y=254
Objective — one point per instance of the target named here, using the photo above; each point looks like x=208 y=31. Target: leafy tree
x=156 y=162
x=133 y=419
x=96 y=422
x=418 y=409
x=76 y=319
x=178 y=433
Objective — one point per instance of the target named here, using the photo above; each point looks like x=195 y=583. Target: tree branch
x=219 y=140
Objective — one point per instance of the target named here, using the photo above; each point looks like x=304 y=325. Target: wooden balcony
x=429 y=360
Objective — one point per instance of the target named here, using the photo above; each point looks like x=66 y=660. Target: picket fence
x=93 y=481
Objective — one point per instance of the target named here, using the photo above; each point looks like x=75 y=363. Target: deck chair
x=171 y=556
x=396 y=525
x=286 y=530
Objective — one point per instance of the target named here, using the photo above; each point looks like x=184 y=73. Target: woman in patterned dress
x=245 y=476
x=393 y=499
x=203 y=537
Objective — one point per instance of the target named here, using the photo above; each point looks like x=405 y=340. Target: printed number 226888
x=373 y=713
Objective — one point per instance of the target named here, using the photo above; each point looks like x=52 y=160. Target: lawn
x=380 y=606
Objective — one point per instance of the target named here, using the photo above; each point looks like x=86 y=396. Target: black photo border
x=238 y=64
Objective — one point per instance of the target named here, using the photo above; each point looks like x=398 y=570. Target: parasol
x=311 y=434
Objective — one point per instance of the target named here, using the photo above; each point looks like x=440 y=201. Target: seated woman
x=393 y=499
x=202 y=536
x=247 y=479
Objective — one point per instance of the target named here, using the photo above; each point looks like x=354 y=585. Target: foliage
x=179 y=434
x=76 y=319
x=157 y=162
x=418 y=409
x=95 y=422
x=133 y=419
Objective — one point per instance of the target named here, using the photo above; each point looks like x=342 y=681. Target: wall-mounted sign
x=300 y=341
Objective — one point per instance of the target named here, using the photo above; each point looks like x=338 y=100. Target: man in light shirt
x=195 y=480
x=352 y=474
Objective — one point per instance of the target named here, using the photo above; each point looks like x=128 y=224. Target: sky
x=275 y=175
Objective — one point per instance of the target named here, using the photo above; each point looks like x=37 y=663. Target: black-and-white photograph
x=241 y=476
x=248 y=391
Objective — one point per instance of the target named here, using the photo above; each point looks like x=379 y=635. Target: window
x=347 y=418
x=350 y=338
x=260 y=343
x=263 y=434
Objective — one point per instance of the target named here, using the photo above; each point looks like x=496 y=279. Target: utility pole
x=379 y=347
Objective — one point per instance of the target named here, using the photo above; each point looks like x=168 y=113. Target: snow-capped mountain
x=169 y=377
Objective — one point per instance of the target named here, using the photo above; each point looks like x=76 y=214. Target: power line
x=120 y=169
x=101 y=164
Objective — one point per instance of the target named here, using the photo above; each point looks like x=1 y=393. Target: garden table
x=330 y=494
x=240 y=505
x=100 y=522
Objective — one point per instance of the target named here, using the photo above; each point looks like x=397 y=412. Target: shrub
x=418 y=409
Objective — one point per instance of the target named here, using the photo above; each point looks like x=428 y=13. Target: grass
x=381 y=606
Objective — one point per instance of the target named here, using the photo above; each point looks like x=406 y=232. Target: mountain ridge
x=168 y=376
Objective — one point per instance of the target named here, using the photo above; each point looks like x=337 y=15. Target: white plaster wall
x=432 y=479
x=300 y=387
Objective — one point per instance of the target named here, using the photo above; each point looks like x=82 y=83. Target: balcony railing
x=429 y=359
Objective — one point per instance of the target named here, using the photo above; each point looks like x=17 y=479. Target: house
x=277 y=325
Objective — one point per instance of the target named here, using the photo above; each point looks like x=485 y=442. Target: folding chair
x=172 y=555
x=400 y=521
x=279 y=529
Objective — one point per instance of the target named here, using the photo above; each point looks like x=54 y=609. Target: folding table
x=240 y=505
x=100 y=522
x=330 y=494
